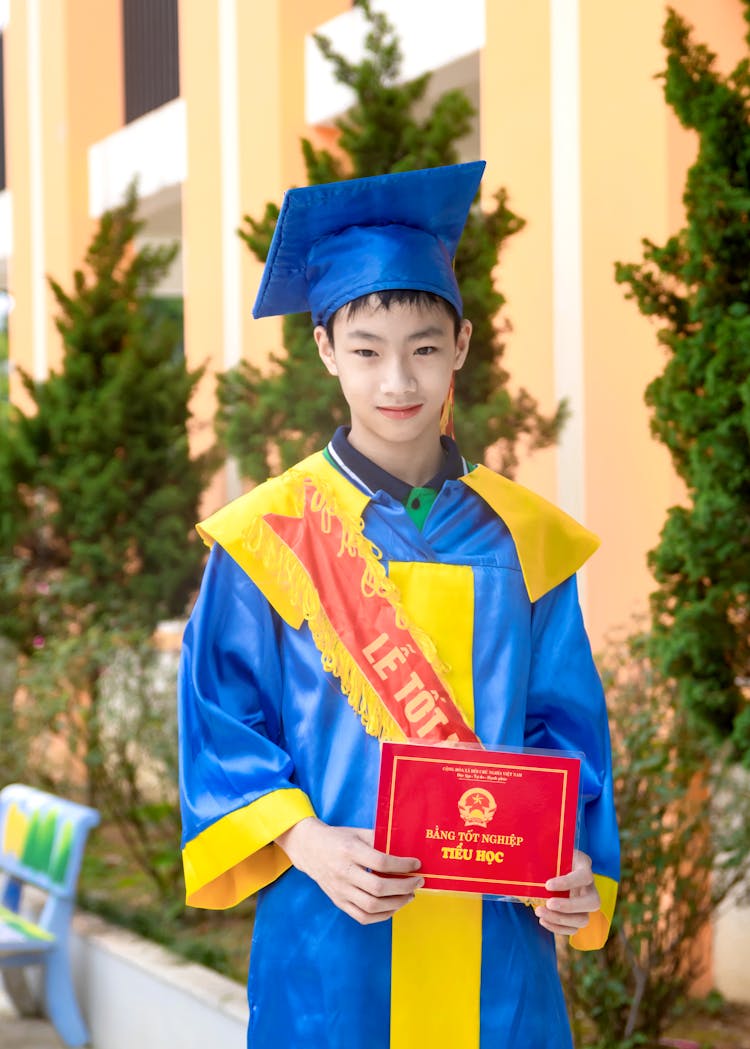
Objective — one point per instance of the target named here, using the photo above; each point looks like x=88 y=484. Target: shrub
x=697 y=286
x=684 y=814
x=116 y=745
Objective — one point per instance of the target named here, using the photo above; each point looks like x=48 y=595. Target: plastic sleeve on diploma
x=498 y=822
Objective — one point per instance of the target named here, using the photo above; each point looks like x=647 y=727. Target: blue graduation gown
x=266 y=738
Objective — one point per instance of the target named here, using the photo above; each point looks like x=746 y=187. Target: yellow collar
x=551 y=546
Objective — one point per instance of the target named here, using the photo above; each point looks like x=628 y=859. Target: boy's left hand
x=563 y=915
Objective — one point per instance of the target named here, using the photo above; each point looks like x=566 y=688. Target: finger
x=575 y=879
x=383 y=862
x=580 y=874
x=375 y=885
x=369 y=909
x=571 y=924
x=364 y=918
x=561 y=923
x=386 y=864
x=379 y=904
x=583 y=904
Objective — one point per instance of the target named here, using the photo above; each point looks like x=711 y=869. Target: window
x=152 y=56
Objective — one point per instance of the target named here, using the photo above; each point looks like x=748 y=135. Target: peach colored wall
x=56 y=176
x=634 y=158
x=515 y=142
x=625 y=194
x=261 y=156
x=271 y=157
x=18 y=174
x=201 y=207
x=622 y=120
x=95 y=100
x=80 y=100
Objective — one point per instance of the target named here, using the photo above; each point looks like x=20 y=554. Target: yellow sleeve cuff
x=236 y=856
x=594 y=935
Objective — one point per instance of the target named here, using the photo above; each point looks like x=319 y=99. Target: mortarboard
x=338 y=241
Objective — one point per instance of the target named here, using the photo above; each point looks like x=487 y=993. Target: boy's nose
x=397 y=379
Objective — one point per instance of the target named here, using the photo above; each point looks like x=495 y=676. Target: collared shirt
x=373 y=478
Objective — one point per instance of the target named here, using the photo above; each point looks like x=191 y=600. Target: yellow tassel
x=263 y=542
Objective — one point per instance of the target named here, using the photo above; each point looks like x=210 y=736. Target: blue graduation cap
x=336 y=242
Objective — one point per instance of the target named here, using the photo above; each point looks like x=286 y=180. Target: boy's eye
x=363 y=352
x=424 y=351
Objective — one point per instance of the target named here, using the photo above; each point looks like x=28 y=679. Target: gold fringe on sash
x=263 y=544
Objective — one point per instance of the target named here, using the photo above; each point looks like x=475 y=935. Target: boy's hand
x=349 y=870
x=566 y=916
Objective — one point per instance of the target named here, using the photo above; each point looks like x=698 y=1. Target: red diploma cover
x=487 y=821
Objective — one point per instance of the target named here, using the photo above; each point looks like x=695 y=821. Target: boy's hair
x=396 y=297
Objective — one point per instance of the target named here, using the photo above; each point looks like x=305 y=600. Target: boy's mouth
x=406 y=411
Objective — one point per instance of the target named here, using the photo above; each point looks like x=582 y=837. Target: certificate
x=499 y=822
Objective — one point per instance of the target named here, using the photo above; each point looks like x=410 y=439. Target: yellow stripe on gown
x=437 y=939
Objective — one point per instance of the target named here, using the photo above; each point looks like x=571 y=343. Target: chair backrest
x=42 y=838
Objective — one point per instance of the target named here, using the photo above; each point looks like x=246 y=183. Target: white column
x=230 y=203
x=567 y=257
x=567 y=248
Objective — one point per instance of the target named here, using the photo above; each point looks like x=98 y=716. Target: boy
x=387 y=529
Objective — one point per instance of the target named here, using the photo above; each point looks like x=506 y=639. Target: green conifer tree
x=100 y=488
x=698 y=286
x=269 y=421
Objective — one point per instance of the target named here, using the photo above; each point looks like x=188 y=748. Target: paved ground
x=17 y=1033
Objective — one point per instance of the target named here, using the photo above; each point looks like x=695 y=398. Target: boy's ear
x=325 y=349
x=462 y=344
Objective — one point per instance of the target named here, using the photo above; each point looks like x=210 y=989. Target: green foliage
x=677 y=865
x=97 y=546
x=698 y=287
x=98 y=477
x=118 y=737
x=135 y=760
x=269 y=421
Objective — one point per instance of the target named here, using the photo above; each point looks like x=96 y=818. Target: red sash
x=386 y=657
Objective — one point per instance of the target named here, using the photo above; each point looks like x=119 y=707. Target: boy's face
x=395 y=367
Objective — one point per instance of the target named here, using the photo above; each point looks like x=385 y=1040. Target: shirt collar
x=373 y=478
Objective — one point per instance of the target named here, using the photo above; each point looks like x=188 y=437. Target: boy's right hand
x=349 y=870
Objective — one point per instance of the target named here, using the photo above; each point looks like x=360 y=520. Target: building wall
x=63 y=92
x=593 y=161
